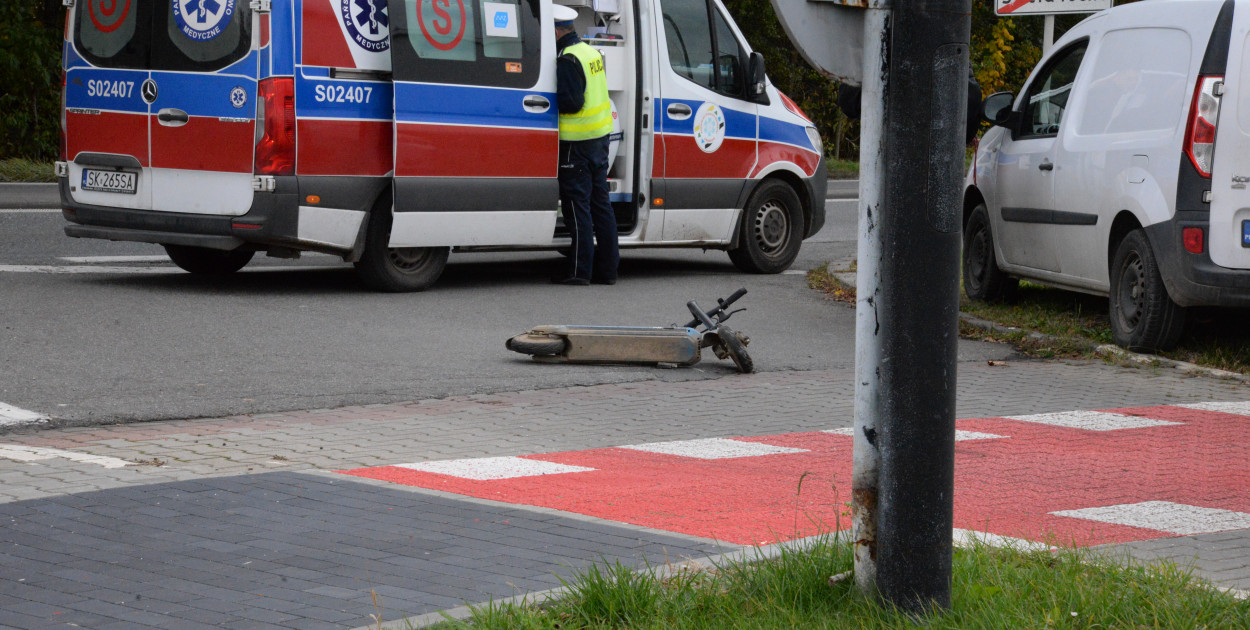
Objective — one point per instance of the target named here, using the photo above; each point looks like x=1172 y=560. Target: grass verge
x=21 y=170
x=1056 y=323
x=992 y=588
x=842 y=169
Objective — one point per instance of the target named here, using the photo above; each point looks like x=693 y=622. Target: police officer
x=585 y=124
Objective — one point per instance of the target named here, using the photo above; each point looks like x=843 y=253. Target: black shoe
x=571 y=281
x=603 y=280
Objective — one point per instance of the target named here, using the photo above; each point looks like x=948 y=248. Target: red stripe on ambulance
x=772 y=152
x=204 y=144
x=107 y=132
x=684 y=158
x=459 y=151
x=344 y=147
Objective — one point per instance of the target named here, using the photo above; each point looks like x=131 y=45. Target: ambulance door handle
x=536 y=104
x=171 y=117
x=679 y=111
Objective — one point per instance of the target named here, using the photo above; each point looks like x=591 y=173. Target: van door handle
x=171 y=117
x=679 y=111
x=1046 y=166
x=536 y=104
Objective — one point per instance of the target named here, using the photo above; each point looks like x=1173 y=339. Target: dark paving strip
x=1222 y=558
x=287 y=549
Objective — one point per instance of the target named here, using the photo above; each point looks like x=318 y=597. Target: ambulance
x=392 y=134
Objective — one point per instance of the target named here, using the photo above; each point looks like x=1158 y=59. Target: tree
x=30 y=57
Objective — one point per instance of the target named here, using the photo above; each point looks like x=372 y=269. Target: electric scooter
x=676 y=345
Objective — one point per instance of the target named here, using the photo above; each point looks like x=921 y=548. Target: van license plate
x=1245 y=233
x=110 y=181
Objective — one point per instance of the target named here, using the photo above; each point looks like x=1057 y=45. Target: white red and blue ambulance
x=390 y=134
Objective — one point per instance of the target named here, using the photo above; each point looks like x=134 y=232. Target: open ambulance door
x=476 y=126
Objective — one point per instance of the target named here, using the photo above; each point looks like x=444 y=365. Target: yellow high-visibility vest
x=594 y=120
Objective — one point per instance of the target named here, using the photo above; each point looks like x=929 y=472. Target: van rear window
x=194 y=35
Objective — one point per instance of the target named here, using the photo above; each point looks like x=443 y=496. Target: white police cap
x=563 y=15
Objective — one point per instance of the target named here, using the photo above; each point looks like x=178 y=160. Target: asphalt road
x=90 y=340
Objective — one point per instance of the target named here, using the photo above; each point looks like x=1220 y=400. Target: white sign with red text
x=1040 y=7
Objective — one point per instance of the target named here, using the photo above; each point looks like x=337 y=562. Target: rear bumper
x=1192 y=279
x=272 y=220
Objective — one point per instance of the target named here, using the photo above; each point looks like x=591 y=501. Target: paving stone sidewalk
x=238 y=522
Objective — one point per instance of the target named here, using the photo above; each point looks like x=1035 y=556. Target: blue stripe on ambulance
x=773 y=130
x=466 y=105
x=203 y=94
x=739 y=125
x=245 y=66
x=297 y=30
x=281 y=25
x=339 y=98
x=104 y=89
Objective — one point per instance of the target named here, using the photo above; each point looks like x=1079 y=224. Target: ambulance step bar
x=211 y=241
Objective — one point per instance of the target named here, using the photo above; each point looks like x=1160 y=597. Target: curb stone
x=1102 y=350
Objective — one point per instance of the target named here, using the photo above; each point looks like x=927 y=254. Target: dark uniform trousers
x=587 y=209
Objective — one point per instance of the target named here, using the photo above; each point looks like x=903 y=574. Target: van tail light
x=1192 y=238
x=275 y=127
x=1203 y=117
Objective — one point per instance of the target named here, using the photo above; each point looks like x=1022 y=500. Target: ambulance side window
x=467 y=42
x=702 y=46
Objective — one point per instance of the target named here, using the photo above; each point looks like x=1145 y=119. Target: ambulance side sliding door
x=476 y=129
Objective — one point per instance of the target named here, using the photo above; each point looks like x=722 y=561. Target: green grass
x=23 y=170
x=991 y=589
x=842 y=169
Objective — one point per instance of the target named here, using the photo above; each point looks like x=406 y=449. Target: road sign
x=828 y=33
x=1041 y=7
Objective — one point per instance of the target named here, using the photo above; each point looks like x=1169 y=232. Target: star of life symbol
x=238 y=97
x=202 y=20
x=368 y=23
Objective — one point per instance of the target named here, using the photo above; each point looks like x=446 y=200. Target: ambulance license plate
x=1245 y=233
x=110 y=181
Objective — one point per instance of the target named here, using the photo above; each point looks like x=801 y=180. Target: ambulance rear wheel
x=771 y=230
x=397 y=269
x=208 y=262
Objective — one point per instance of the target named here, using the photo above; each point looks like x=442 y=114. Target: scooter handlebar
x=706 y=318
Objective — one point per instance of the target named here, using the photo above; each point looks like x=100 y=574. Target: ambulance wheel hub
x=772 y=226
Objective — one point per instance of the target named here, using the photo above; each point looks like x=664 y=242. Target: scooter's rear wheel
x=734 y=345
x=536 y=344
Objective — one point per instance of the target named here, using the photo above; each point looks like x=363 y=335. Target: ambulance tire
x=208 y=262
x=396 y=269
x=771 y=231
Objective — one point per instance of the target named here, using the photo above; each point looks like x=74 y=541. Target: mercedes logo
x=148 y=91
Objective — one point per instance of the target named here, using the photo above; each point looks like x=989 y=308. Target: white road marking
x=30 y=211
x=10 y=415
x=34 y=453
x=712 y=448
x=491 y=468
x=64 y=269
x=1238 y=408
x=967 y=538
x=1165 y=516
x=960 y=434
x=794 y=272
x=1092 y=420
x=115 y=259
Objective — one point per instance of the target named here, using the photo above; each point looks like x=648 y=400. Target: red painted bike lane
x=1010 y=485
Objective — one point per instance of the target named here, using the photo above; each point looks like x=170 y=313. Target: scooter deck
x=625 y=344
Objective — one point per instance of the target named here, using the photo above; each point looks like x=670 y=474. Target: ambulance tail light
x=1203 y=117
x=275 y=120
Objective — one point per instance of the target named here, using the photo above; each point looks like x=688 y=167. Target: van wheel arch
x=1123 y=224
x=972 y=199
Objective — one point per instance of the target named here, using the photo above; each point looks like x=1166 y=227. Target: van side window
x=1049 y=93
x=469 y=42
x=702 y=46
x=1137 y=82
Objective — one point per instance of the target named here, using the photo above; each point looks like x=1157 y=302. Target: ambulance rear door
x=476 y=127
x=160 y=100
x=709 y=129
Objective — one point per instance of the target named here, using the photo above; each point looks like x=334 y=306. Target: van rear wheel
x=208 y=262
x=396 y=269
x=771 y=231
x=1143 y=317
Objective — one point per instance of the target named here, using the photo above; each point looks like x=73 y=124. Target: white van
x=390 y=134
x=1121 y=169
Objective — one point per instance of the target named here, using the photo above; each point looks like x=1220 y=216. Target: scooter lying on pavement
x=679 y=345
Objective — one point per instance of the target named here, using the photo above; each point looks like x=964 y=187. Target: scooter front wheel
x=735 y=346
x=537 y=344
